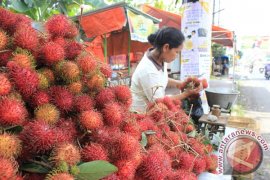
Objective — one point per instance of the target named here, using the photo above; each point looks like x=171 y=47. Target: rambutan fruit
x=5 y=85
x=186 y=161
x=182 y=175
x=34 y=176
x=211 y=162
x=173 y=137
x=123 y=95
x=44 y=83
x=83 y=103
x=90 y=120
x=23 y=58
x=21 y=18
x=124 y=146
x=61 y=41
x=48 y=73
x=15 y=95
x=58 y=176
x=52 y=53
x=112 y=177
x=25 y=80
x=19 y=177
x=126 y=169
x=10 y=145
x=75 y=87
x=65 y=152
x=4 y=57
x=7 y=20
x=189 y=128
x=169 y=103
x=157 y=112
x=132 y=128
x=61 y=97
x=199 y=165
x=8 y=168
x=105 y=135
x=104 y=97
x=73 y=49
x=39 y=98
x=156 y=164
x=146 y=123
x=38 y=137
x=12 y=112
x=58 y=25
x=96 y=82
x=198 y=147
x=112 y=114
x=86 y=63
x=3 y=40
x=106 y=70
x=26 y=37
x=70 y=71
x=48 y=113
x=68 y=128
x=72 y=31
x=94 y=151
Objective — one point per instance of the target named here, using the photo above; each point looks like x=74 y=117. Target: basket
x=243 y=123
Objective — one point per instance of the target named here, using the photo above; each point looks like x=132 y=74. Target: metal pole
x=105 y=48
x=234 y=60
x=129 y=46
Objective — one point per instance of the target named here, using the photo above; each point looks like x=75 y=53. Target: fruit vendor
x=150 y=78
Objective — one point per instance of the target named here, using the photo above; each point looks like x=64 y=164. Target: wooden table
x=214 y=127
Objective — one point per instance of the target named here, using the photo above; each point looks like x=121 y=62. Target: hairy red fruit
x=126 y=169
x=73 y=49
x=72 y=31
x=132 y=128
x=83 y=103
x=48 y=73
x=105 y=135
x=3 y=40
x=23 y=58
x=104 y=97
x=39 y=98
x=7 y=20
x=199 y=165
x=106 y=70
x=61 y=41
x=48 y=113
x=5 y=85
x=170 y=104
x=96 y=82
x=66 y=152
x=58 y=25
x=186 y=161
x=10 y=146
x=204 y=83
x=52 y=53
x=75 y=87
x=12 y=112
x=112 y=114
x=123 y=95
x=94 y=151
x=4 y=57
x=183 y=175
x=8 y=168
x=61 y=97
x=70 y=71
x=87 y=64
x=211 y=162
x=91 y=120
x=68 y=128
x=59 y=176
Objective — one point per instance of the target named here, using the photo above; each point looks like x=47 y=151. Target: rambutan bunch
x=86 y=63
x=39 y=137
x=123 y=95
x=26 y=37
x=5 y=85
x=8 y=168
x=156 y=164
x=25 y=80
x=106 y=70
x=4 y=39
x=113 y=114
x=65 y=152
x=10 y=146
x=94 y=151
x=48 y=113
x=72 y=50
x=12 y=112
x=104 y=97
x=61 y=97
x=23 y=58
x=52 y=53
x=58 y=25
x=90 y=120
x=83 y=102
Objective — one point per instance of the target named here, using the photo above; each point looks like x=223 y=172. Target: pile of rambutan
x=57 y=114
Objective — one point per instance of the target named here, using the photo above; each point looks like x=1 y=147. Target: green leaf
x=34 y=168
x=192 y=133
x=144 y=140
x=95 y=170
x=19 y=6
x=14 y=129
x=29 y=3
x=149 y=132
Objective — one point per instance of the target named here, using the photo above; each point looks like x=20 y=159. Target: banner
x=196 y=27
x=140 y=27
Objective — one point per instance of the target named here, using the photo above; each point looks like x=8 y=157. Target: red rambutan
x=25 y=80
x=156 y=165
x=211 y=162
x=90 y=120
x=112 y=114
x=4 y=57
x=68 y=128
x=44 y=82
x=73 y=49
x=10 y=146
x=70 y=71
x=199 y=165
x=132 y=128
x=57 y=25
x=104 y=97
x=112 y=177
x=106 y=70
x=123 y=95
x=72 y=31
x=182 y=175
x=75 y=87
x=48 y=113
x=21 y=18
x=23 y=58
x=65 y=152
x=5 y=85
x=58 y=176
x=96 y=82
x=126 y=169
x=105 y=135
x=186 y=161
x=3 y=40
x=48 y=73
x=39 y=98
x=61 y=41
x=86 y=63
x=146 y=123
x=7 y=20
x=12 y=112
x=61 y=97
x=169 y=103
x=8 y=168
x=26 y=37
x=52 y=53
x=83 y=103
x=189 y=128
x=94 y=151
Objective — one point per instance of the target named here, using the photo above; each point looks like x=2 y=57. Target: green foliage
x=34 y=168
x=218 y=50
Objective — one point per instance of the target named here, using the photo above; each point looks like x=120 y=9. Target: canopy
x=219 y=35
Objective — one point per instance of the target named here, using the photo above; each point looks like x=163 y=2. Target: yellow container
x=243 y=123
